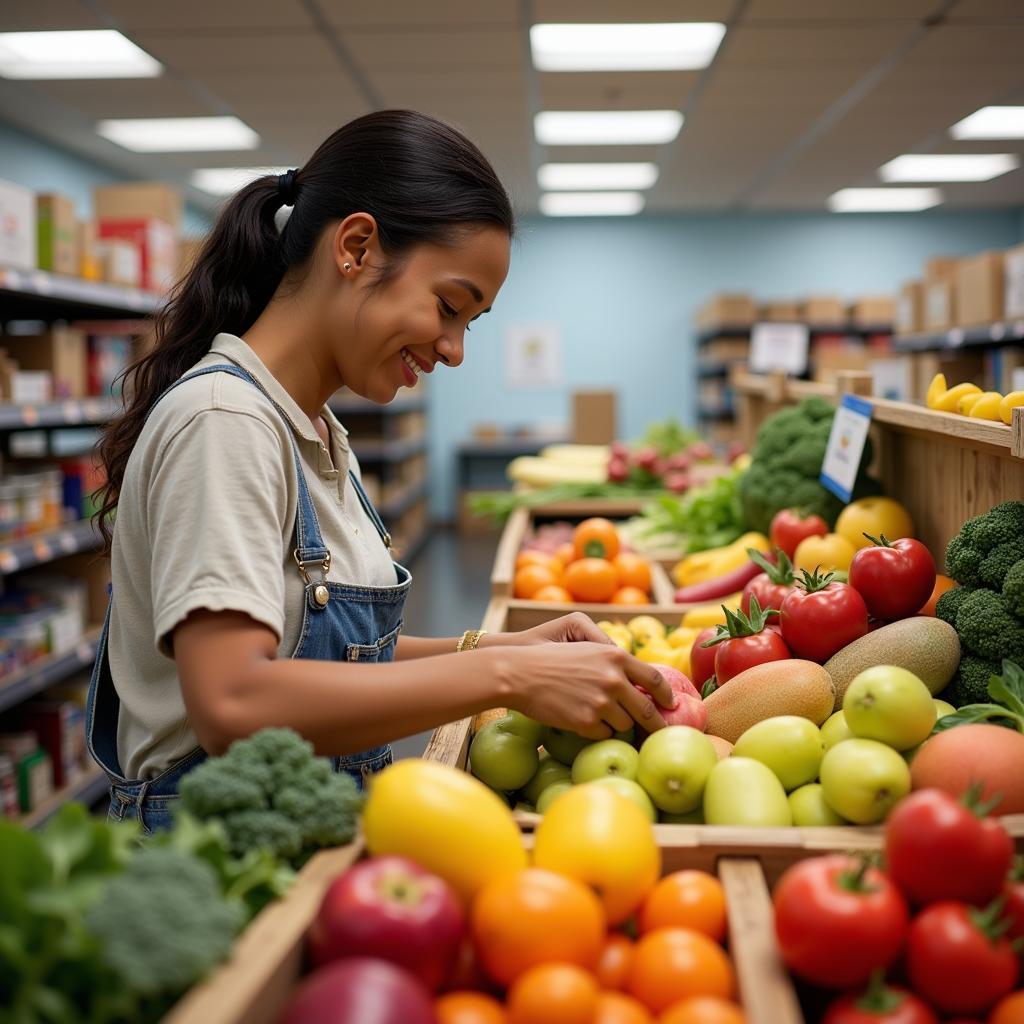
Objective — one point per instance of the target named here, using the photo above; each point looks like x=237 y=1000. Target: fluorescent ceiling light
x=948 y=166
x=884 y=200
x=649 y=47
x=591 y=204
x=225 y=181
x=607 y=127
x=179 y=134
x=101 y=53
x=991 y=123
x=554 y=177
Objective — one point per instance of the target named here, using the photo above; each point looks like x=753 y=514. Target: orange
x=1009 y=1010
x=468 y=1008
x=591 y=579
x=536 y=558
x=630 y=595
x=633 y=571
x=703 y=1010
x=672 y=964
x=596 y=538
x=535 y=917
x=686 y=899
x=530 y=578
x=553 y=994
x=616 y=956
x=616 y=1008
x=553 y=593
x=566 y=552
x=942 y=584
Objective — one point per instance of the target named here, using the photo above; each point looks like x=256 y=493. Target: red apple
x=689 y=709
x=360 y=991
x=389 y=907
x=679 y=461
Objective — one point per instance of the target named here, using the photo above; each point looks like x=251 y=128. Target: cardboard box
x=782 y=311
x=25 y=387
x=157 y=243
x=735 y=309
x=873 y=311
x=89 y=264
x=939 y=305
x=833 y=358
x=17 y=226
x=910 y=308
x=1013 y=284
x=593 y=417
x=59 y=727
x=979 y=289
x=941 y=268
x=139 y=200
x=108 y=357
x=62 y=352
x=120 y=263
x=823 y=311
x=57 y=234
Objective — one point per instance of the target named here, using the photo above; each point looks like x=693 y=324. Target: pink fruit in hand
x=689 y=709
x=391 y=908
x=677 y=482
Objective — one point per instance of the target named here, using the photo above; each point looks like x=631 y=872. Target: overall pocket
x=382 y=650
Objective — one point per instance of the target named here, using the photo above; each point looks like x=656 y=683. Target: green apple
x=551 y=794
x=503 y=754
x=675 y=763
x=606 y=757
x=694 y=817
x=788 y=744
x=862 y=780
x=742 y=791
x=810 y=808
x=548 y=772
x=891 y=705
x=631 y=791
x=835 y=729
x=563 y=745
x=529 y=728
x=942 y=708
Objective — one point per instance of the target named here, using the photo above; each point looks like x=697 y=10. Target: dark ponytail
x=418 y=177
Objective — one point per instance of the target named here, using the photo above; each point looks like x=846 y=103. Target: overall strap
x=375 y=518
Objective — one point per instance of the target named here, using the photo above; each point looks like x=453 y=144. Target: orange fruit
x=633 y=571
x=554 y=593
x=535 y=917
x=468 y=1008
x=596 y=538
x=553 y=994
x=616 y=1008
x=613 y=966
x=942 y=584
x=1009 y=1010
x=591 y=579
x=566 y=553
x=703 y=1010
x=536 y=558
x=672 y=964
x=686 y=899
x=630 y=595
x=530 y=578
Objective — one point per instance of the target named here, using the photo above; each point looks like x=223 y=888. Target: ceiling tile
x=165 y=96
x=406 y=14
x=640 y=90
x=200 y=15
x=986 y=10
x=436 y=49
x=603 y=11
x=33 y=16
x=765 y=45
x=957 y=44
x=231 y=51
x=806 y=11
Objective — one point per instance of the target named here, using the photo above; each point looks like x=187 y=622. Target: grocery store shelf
x=353 y=405
x=40 y=675
x=389 y=451
x=45 y=547
x=70 y=413
x=1004 y=332
x=743 y=331
x=408 y=550
x=404 y=501
x=712 y=412
x=88 y=789
x=712 y=370
x=506 y=447
x=38 y=293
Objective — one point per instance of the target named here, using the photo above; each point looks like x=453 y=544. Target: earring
x=348 y=267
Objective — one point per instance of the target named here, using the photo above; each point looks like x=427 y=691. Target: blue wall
x=624 y=293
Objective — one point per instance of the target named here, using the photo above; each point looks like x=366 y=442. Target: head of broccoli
x=271 y=792
x=987 y=546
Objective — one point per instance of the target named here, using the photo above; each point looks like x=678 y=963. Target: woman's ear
x=355 y=239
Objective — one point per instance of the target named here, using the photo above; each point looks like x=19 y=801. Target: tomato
x=821 y=617
x=596 y=538
x=736 y=656
x=880 y=1005
x=773 y=585
x=957 y=961
x=686 y=899
x=591 y=579
x=837 y=920
x=1014 y=892
x=630 y=596
x=672 y=964
x=788 y=528
x=533 y=577
x=553 y=994
x=633 y=571
x=702 y=659
x=873 y=516
x=895 y=578
x=942 y=584
x=830 y=553
x=937 y=848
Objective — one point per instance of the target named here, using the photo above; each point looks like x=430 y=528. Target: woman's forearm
x=409 y=647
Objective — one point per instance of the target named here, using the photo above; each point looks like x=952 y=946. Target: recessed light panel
x=948 y=166
x=179 y=134
x=225 y=181
x=991 y=123
x=100 y=53
x=884 y=200
x=678 y=46
x=607 y=127
x=557 y=177
x=591 y=204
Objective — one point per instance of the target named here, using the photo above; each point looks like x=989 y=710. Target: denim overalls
x=339 y=623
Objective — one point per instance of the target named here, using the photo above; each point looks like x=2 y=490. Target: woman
x=252 y=579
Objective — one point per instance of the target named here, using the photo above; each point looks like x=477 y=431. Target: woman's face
x=419 y=317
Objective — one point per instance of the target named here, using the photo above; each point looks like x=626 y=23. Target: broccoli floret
x=987 y=628
x=987 y=546
x=270 y=792
x=1013 y=588
x=162 y=924
x=970 y=684
x=999 y=561
x=949 y=603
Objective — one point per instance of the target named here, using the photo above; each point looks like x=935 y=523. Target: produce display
x=969 y=400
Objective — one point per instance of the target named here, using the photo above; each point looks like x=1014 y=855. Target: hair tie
x=287 y=187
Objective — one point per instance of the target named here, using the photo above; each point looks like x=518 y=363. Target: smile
x=409 y=361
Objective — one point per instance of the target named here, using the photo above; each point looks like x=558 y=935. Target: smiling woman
x=253 y=584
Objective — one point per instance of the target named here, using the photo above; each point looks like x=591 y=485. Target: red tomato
x=788 y=528
x=936 y=848
x=773 y=585
x=956 y=961
x=895 y=578
x=819 y=618
x=702 y=659
x=736 y=656
x=1014 y=892
x=879 y=1005
x=837 y=921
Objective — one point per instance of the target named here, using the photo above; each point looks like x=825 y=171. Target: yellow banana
x=948 y=401
x=936 y=390
x=987 y=406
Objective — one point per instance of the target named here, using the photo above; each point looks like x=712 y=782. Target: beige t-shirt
x=205 y=520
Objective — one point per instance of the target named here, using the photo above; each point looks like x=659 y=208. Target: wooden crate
x=254 y=986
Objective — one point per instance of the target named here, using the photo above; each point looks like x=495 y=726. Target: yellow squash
x=986 y=406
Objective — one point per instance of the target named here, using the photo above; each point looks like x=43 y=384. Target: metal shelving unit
x=42 y=674
x=389 y=451
x=1003 y=332
x=28 y=294
x=45 y=547
x=89 y=789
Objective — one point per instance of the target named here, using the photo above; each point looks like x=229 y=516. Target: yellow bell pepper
x=987 y=407
x=715 y=562
x=682 y=637
x=710 y=614
x=1008 y=404
x=618 y=633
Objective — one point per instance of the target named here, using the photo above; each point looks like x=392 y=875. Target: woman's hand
x=566 y=629
x=585 y=687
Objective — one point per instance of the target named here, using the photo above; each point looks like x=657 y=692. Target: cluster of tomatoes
x=591 y=568
x=945 y=919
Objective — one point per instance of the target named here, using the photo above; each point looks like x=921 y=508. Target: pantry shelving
x=45 y=547
x=87 y=789
x=1002 y=332
x=39 y=675
x=26 y=294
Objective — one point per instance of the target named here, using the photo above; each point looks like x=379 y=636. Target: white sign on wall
x=779 y=347
x=533 y=356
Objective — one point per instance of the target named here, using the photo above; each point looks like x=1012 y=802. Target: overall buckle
x=321 y=593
